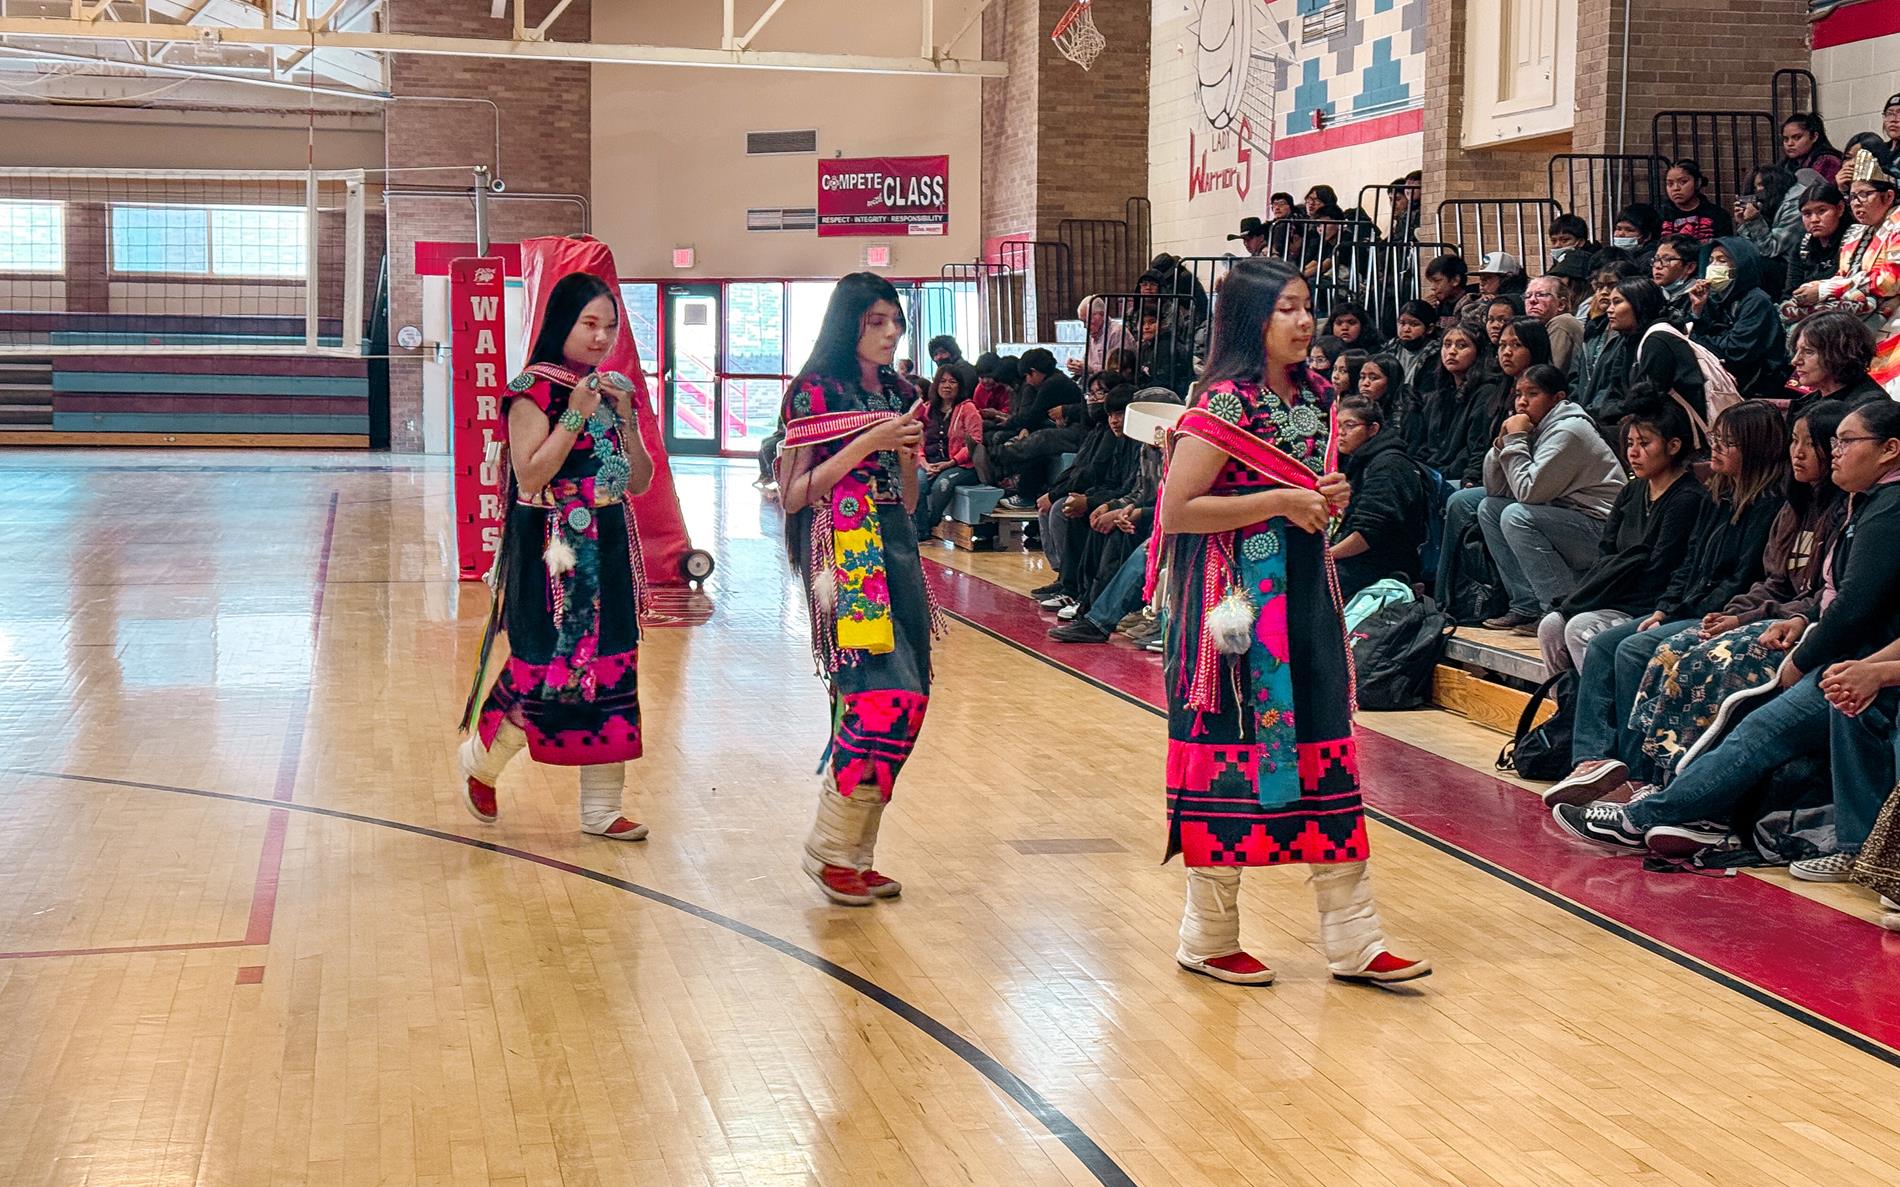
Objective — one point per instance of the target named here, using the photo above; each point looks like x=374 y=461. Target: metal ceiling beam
x=488 y=47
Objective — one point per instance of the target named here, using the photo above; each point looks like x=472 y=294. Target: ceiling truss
x=340 y=42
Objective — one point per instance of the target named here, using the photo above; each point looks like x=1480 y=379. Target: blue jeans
x=1460 y=509
x=934 y=494
x=1612 y=671
x=1121 y=596
x=1541 y=551
x=1798 y=722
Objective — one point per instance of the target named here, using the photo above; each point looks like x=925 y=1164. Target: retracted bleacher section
x=127 y=397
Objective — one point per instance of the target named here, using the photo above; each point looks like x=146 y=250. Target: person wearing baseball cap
x=1253 y=235
x=1500 y=273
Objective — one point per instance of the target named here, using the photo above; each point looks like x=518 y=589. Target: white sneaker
x=1068 y=612
x=1056 y=601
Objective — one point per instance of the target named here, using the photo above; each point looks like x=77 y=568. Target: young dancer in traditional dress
x=567 y=578
x=847 y=478
x=1262 y=768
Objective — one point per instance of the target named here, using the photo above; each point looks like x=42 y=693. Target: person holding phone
x=848 y=483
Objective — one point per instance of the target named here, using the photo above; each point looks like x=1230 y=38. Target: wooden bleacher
x=1488 y=676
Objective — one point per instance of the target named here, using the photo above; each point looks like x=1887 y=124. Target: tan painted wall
x=669 y=163
x=183 y=139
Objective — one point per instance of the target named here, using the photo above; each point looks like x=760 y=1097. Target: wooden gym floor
x=250 y=936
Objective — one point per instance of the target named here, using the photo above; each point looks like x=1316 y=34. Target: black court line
x=1622 y=931
x=1097 y=1161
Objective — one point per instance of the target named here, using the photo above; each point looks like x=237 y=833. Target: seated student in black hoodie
x=1385 y=521
x=1462 y=389
x=1648 y=534
x=1862 y=617
x=1106 y=467
x=1731 y=315
x=1748 y=463
x=1027 y=445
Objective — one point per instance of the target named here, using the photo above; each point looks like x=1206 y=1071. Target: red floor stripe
x=1820 y=959
x=270 y=860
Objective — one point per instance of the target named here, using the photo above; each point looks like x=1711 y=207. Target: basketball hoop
x=1076 y=36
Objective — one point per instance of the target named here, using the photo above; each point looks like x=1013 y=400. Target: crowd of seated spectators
x=1667 y=455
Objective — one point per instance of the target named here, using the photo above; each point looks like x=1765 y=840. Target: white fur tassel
x=825 y=588
x=1230 y=624
x=559 y=555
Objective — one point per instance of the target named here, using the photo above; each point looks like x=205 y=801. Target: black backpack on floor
x=1477 y=592
x=1543 y=752
x=1394 y=651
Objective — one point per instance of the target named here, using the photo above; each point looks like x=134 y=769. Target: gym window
x=221 y=241
x=32 y=236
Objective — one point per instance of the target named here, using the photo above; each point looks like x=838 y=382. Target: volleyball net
x=143 y=261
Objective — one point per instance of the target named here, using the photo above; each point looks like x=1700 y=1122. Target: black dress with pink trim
x=1269 y=775
x=576 y=710
x=878 y=699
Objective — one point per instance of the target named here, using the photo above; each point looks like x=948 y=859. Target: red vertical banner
x=478 y=364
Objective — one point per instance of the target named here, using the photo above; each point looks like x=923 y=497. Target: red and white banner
x=478 y=364
x=884 y=196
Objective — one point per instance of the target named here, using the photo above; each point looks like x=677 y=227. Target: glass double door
x=723 y=368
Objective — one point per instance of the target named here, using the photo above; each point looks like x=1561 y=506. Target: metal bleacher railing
x=1728 y=145
x=1597 y=185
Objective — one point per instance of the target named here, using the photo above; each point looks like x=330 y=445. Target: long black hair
x=1823 y=418
x=570 y=295
x=1237 y=349
x=1646 y=300
x=834 y=355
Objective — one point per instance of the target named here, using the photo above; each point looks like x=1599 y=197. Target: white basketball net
x=1076 y=36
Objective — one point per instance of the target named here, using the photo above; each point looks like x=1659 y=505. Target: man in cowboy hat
x=1253 y=235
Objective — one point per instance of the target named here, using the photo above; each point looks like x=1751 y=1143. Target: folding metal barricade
x=1792 y=91
x=1597 y=185
x=1728 y=145
x=1168 y=357
x=1042 y=270
x=1520 y=226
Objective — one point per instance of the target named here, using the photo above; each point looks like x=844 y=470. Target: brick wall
x=545 y=119
x=1058 y=141
x=1450 y=170
x=1679 y=59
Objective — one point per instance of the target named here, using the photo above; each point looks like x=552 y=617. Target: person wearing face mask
x=1386 y=519
x=1568 y=233
x=1731 y=315
x=1674 y=267
x=1637 y=230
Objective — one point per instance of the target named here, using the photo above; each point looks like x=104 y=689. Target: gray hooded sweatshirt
x=1563 y=462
